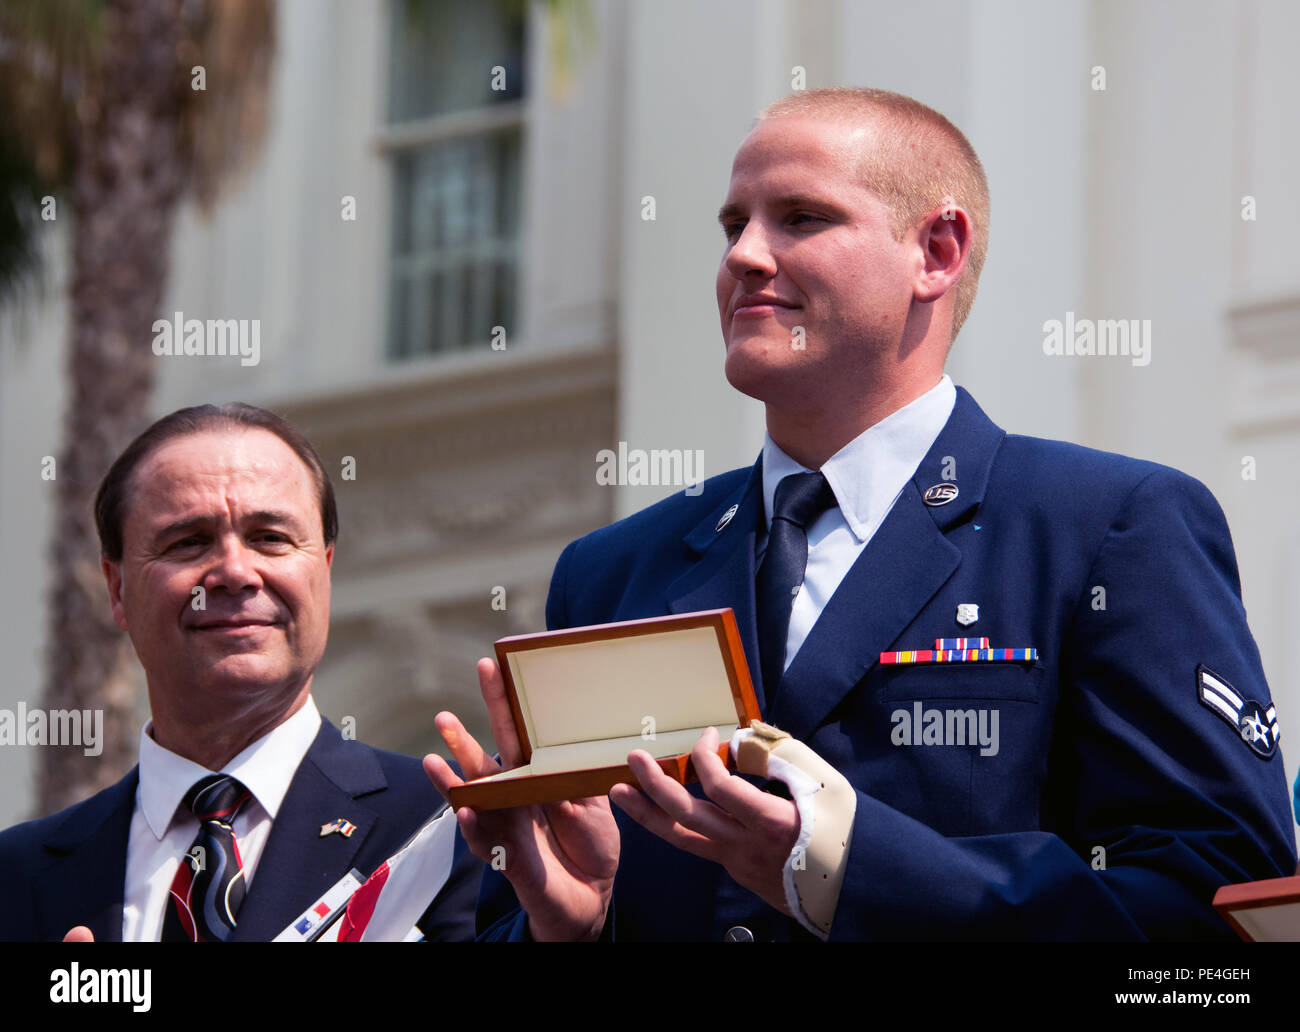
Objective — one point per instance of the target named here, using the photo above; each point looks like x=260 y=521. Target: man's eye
x=731 y=230
x=185 y=543
x=803 y=217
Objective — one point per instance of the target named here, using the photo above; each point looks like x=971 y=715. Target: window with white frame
x=454 y=138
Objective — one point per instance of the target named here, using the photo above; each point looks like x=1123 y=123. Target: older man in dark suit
x=217 y=529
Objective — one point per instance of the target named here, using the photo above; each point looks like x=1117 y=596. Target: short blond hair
x=918 y=162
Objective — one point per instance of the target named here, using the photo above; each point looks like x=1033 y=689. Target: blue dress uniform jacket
x=1116 y=801
x=69 y=868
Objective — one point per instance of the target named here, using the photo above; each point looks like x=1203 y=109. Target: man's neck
x=811 y=435
x=214 y=741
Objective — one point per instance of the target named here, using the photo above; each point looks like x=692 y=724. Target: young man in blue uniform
x=1101 y=780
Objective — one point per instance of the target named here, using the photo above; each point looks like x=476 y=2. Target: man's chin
x=762 y=370
x=242 y=675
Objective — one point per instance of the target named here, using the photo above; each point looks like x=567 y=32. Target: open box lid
x=627 y=680
x=583 y=698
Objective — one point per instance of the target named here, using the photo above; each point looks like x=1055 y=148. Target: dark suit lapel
x=299 y=864
x=86 y=877
x=724 y=575
x=906 y=562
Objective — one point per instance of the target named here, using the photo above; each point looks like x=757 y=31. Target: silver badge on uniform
x=726 y=518
x=1256 y=725
x=967 y=613
x=939 y=494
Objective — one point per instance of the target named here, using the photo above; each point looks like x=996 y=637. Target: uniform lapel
x=84 y=883
x=724 y=575
x=906 y=562
x=299 y=864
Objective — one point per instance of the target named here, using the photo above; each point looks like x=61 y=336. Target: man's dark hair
x=112 y=497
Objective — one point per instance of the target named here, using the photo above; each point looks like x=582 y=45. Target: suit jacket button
x=738 y=934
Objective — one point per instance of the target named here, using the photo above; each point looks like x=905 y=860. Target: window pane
x=443 y=53
x=456 y=214
x=455 y=241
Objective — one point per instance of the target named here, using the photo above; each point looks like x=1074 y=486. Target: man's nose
x=752 y=252
x=233 y=567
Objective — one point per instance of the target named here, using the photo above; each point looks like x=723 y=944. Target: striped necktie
x=209 y=884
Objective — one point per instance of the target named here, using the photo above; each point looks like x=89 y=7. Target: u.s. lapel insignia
x=338 y=826
x=1256 y=725
x=967 y=613
x=940 y=494
x=726 y=518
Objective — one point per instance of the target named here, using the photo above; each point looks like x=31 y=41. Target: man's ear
x=329 y=555
x=945 y=238
x=113 y=575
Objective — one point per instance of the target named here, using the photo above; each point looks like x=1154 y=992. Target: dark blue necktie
x=800 y=499
x=209 y=885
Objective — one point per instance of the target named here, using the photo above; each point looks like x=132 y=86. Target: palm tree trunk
x=128 y=177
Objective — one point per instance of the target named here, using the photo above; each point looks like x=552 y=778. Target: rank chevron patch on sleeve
x=1256 y=726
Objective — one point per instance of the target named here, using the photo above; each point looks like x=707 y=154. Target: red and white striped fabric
x=392 y=899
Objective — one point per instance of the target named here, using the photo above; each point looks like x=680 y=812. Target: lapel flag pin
x=338 y=826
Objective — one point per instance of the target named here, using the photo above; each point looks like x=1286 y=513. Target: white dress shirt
x=162 y=830
x=867 y=475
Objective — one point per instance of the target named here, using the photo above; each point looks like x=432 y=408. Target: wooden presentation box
x=1262 y=911
x=584 y=698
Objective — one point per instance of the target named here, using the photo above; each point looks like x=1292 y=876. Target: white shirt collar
x=265 y=768
x=867 y=474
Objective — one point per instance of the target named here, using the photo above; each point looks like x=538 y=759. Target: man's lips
x=760 y=306
x=232 y=625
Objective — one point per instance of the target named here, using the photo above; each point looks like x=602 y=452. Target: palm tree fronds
x=223 y=126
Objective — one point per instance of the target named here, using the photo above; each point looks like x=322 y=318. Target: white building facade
x=475 y=265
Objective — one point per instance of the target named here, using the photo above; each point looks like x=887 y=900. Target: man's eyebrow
x=272 y=516
x=728 y=212
x=784 y=201
x=182 y=526
x=263 y=516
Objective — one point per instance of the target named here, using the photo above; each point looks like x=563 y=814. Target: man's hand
x=560 y=857
x=748 y=831
x=79 y=934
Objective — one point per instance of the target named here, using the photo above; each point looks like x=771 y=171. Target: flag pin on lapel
x=338 y=826
x=967 y=613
